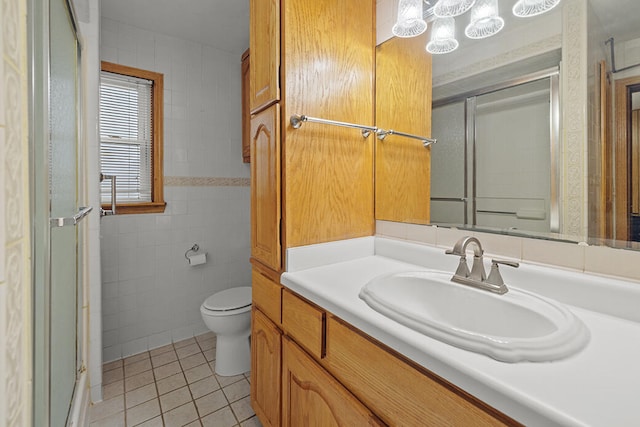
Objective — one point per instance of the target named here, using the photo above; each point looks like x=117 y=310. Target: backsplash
x=599 y=260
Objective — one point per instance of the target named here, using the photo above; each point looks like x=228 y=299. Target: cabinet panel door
x=265 y=187
x=312 y=397
x=403 y=103
x=329 y=170
x=264 y=45
x=266 y=349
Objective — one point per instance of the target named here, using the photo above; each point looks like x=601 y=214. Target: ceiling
x=620 y=18
x=225 y=23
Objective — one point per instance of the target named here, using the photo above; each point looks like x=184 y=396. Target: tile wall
x=150 y=295
x=599 y=260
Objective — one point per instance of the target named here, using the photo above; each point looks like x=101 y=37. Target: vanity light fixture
x=443 y=36
x=526 y=8
x=410 y=22
x=485 y=21
x=446 y=8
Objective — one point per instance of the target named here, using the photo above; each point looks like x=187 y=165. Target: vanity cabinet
x=399 y=391
x=312 y=397
x=266 y=349
x=309 y=366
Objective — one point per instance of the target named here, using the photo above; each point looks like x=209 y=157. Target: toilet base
x=233 y=355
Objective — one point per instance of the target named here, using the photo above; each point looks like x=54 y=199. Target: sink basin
x=514 y=327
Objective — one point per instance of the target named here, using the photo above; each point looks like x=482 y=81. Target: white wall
x=150 y=295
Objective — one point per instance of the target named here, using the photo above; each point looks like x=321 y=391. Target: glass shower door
x=448 y=165
x=63 y=193
x=495 y=164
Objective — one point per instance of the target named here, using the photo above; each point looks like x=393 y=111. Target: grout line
x=182 y=371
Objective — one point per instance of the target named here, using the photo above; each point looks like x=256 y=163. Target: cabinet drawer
x=400 y=392
x=267 y=295
x=303 y=322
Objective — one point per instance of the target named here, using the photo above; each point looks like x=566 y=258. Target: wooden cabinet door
x=264 y=45
x=266 y=345
x=246 y=113
x=265 y=187
x=328 y=65
x=312 y=397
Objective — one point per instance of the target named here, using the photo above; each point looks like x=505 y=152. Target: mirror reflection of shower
x=496 y=165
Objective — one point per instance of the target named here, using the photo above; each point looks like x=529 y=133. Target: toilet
x=228 y=314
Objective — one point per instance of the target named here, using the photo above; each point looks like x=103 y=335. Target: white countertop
x=599 y=386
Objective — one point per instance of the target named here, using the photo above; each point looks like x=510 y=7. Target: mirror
x=582 y=171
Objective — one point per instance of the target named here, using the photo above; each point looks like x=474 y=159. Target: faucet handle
x=513 y=264
x=495 y=278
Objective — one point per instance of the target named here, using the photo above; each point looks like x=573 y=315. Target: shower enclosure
x=495 y=164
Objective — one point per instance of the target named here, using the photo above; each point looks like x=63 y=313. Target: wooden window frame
x=157 y=204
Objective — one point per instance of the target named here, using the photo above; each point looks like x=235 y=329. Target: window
x=131 y=138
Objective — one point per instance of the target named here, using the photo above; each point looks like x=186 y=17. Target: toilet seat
x=229 y=301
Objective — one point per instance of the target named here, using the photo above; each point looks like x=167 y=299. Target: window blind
x=126 y=137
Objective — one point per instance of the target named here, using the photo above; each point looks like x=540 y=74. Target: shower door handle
x=71 y=220
x=111 y=211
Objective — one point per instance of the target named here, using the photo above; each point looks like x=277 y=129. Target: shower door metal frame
x=39 y=30
x=553 y=74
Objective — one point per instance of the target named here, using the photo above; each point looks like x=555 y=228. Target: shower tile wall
x=150 y=296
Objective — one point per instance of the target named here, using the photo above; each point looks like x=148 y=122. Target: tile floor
x=174 y=385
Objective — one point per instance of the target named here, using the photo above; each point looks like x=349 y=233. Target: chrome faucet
x=477 y=276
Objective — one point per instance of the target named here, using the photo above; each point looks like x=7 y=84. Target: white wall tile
x=111 y=353
x=134 y=347
x=612 y=262
x=565 y=255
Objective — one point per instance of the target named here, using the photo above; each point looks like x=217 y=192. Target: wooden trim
x=635 y=160
x=622 y=154
x=130 y=71
x=137 y=208
x=246 y=113
x=607 y=171
x=604 y=170
x=157 y=121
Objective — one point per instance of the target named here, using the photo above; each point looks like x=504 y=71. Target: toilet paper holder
x=194 y=248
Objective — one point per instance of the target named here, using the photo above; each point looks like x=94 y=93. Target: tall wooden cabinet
x=308 y=185
x=301 y=62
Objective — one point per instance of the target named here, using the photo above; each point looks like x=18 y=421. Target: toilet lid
x=229 y=299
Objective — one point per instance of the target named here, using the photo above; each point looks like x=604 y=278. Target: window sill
x=138 y=208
